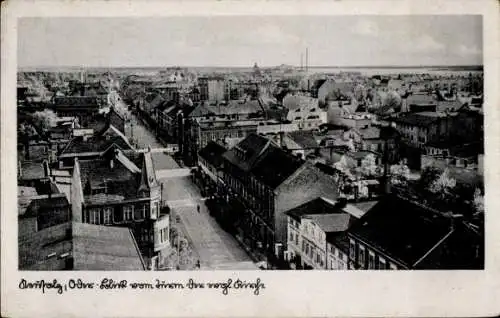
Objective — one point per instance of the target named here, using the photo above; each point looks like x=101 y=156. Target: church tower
x=149 y=186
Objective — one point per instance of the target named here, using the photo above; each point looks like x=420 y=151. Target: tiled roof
x=31 y=170
x=402 y=229
x=275 y=166
x=104 y=248
x=316 y=206
x=212 y=153
x=328 y=223
x=304 y=139
x=451 y=105
x=119 y=180
x=71 y=101
x=98 y=143
x=421 y=99
x=370 y=132
x=252 y=146
x=416 y=119
x=46 y=204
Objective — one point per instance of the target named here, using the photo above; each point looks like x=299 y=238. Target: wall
x=276 y=128
x=306 y=184
x=162 y=224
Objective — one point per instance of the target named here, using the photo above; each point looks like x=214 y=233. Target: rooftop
x=400 y=228
x=317 y=206
x=212 y=153
x=105 y=248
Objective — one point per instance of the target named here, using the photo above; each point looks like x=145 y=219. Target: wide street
x=215 y=248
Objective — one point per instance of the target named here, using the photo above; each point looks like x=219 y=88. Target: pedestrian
x=198 y=208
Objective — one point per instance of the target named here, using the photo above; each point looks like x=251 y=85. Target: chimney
x=46 y=171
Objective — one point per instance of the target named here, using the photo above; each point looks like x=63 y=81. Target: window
x=107 y=216
x=154 y=213
x=382 y=263
x=307 y=249
x=291 y=236
x=352 y=250
x=303 y=246
x=297 y=240
x=371 y=260
x=128 y=210
x=361 y=256
x=95 y=216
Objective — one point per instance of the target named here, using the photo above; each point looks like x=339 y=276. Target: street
x=215 y=247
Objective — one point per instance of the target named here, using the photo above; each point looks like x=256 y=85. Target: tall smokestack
x=307 y=59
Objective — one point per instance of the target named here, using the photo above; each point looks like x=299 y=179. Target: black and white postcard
x=278 y=158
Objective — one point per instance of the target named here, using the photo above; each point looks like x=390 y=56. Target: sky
x=245 y=40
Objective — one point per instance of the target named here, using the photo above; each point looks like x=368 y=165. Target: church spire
x=148 y=176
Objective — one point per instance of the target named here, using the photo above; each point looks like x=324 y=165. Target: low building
x=301 y=143
x=79 y=246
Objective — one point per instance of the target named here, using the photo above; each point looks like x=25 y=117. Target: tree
x=44 y=120
x=392 y=99
x=443 y=185
x=428 y=176
x=369 y=167
x=343 y=167
x=400 y=173
x=478 y=202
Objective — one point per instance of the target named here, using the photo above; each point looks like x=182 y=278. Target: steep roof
x=244 y=154
x=212 y=153
x=99 y=142
x=303 y=138
x=275 y=166
x=328 y=223
x=402 y=229
x=315 y=206
x=148 y=174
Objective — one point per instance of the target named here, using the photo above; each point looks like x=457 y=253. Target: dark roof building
x=413 y=236
x=212 y=154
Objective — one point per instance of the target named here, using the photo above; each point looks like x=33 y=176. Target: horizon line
x=247 y=66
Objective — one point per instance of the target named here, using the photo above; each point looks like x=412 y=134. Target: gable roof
x=212 y=153
x=315 y=206
x=304 y=138
x=274 y=166
x=251 y=148
x=98 y=143
x=148 y=174
x=329 y=223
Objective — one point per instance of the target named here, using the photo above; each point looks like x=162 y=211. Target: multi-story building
x=304 y=111
x=122 y=190
x=317 y=234
x=263 y=182
x=397 y=233
x=218 y=122
x=418 y=129
x=212 y=88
